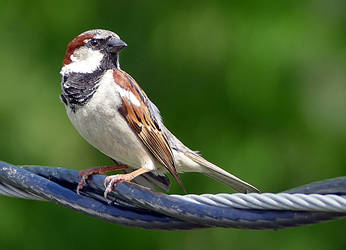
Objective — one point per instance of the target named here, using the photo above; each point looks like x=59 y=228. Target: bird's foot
x=85 y=174
x=112 y=180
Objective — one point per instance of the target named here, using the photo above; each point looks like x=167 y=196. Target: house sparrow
x=111 y=111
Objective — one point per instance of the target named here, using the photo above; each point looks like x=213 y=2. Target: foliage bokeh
x=258 y=87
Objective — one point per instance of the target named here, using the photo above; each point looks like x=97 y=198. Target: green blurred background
x=258 y=87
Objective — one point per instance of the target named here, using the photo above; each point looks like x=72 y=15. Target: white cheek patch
x=83 y=60
x=128 y=95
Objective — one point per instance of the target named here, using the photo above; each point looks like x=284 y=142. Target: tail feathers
x=221 y=175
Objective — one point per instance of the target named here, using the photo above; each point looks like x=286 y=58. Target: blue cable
x=136 y=206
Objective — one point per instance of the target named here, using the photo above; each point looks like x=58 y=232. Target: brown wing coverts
x=144 y=123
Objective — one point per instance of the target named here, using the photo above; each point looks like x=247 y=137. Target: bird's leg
x=112 y=180
x=84 y=174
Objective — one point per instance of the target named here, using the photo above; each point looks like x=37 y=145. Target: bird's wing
x=143 y=122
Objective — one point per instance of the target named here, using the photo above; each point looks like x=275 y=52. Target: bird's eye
x=93 y=42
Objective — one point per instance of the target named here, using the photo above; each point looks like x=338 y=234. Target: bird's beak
x=114 y=45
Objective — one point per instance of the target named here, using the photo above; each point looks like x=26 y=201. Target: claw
x=84 y=174
x=111 y=181
x=81 y=184
x=108 y=190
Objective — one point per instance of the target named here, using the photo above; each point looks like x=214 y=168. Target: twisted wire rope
x=137 y=206
x=267 y=201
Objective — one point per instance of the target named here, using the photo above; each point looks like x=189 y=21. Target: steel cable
x=137 y=206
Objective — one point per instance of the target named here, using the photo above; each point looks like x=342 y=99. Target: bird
x=112 y=113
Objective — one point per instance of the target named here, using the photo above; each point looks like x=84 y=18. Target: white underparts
x=83 y=60
x=104 y=127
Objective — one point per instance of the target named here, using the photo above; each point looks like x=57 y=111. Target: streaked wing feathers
x=140 y=119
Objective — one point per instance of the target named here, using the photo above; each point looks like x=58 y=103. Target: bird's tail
x=221 y=175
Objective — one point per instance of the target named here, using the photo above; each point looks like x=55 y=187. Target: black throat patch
x=78 y=88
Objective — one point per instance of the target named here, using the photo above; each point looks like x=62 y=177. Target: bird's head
x=92 y=50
